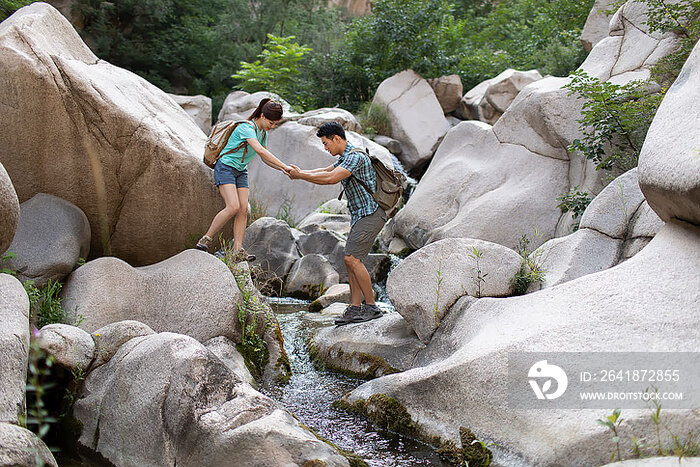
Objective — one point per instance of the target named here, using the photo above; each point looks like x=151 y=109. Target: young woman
x=231 y=171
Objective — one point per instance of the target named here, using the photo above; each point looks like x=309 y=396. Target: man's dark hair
x=329 y=129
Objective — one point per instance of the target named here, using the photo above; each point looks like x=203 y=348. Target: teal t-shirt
x=240 y=159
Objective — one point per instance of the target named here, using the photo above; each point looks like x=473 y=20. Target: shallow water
x=311 y=392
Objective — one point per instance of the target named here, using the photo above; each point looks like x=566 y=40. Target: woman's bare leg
x=239 y=222
x=230 y=196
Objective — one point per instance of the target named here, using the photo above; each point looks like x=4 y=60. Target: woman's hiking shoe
x=352 y=312
x=242 y=255
x=204 y=243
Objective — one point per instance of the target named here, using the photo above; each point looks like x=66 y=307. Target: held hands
x=294 y=172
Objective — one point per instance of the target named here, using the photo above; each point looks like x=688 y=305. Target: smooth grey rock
x=225 y=350
x=20 y=447
x=322 y=242
x=70 y=346
x=477 y=187
x=377 y=264
x=108 y=141
x=191 y=293
x=504 y=88
x=382 y=346
x=52 y=234
x=9 y=210
x=272 y=241
x=310 y=277
x=198 y=108
x=611 y=211
x=633 y=246
x=394 y=146
x=109 y=338
x=417 y=120
x=338 y=223
x=597 y=24
x=669 y=164
x=448 y=90
x=670 y=461
x=572 y=317
x=426 y=284
x=239 y=105
x=14 y=343
x=166 y=399
x=335 y=293
x=316 y=118
x=645 y=222
x=566 y=258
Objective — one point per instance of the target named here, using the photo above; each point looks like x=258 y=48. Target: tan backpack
x=218 y=138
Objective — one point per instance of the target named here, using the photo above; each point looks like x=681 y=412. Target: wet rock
x=429 y=281
x=272 y=242
x=70 y=346
x=310 y=277
x=379 y=347
x=335 y=293
x=417 y=119
x=14 y=345
x=51 y=236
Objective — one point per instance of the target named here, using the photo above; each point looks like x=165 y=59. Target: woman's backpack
x=217 y=140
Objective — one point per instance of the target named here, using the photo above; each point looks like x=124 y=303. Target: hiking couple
x=351 y=169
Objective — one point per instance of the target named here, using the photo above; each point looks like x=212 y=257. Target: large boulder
x=375 y=348
x=597 y=24
x=9 y=210
x=71 y=347
x=191 y=293
x=316 y=118
x=669 y=164
x=477 y=187
x=488 y=100
x=426 y=284
x=52 y=235
x=238 y=105
x=14 y=342
x=298 y=144
x=109 y=338
x=448 y=90
x=310 y=277
x=417 y=119
x=101 y=138
x=198 y=108
x=225 y=349
x=467 y=389
x=166 y=399
x=22 y=448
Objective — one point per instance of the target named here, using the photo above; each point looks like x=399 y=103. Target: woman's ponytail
x=257 y=113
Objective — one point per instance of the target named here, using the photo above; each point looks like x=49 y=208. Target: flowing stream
x=311 y=392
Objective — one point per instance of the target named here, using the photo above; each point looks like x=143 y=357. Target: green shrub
x=615 y=120
x=46 y=307
x=277 y=70
x=530 y=269
x=7 y=7
x=576 y=202
x=374 y=119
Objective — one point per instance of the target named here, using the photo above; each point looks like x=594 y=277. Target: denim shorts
x=225 y=174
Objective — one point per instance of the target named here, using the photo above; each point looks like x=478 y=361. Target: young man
x=366 y=217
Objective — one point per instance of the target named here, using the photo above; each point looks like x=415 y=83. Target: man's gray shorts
x=362 y=234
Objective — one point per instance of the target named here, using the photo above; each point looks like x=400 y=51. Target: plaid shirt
x=360 y=203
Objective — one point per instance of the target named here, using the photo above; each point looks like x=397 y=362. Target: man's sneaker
x=352 y=312
x=204 y=243
x=368 y=313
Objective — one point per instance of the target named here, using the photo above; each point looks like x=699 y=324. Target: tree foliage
x=7 y=7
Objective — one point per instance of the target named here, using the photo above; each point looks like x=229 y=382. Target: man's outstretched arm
x=322 y=177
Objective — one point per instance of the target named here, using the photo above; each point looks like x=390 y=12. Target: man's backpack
x=218 y=138
x=390 y=185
